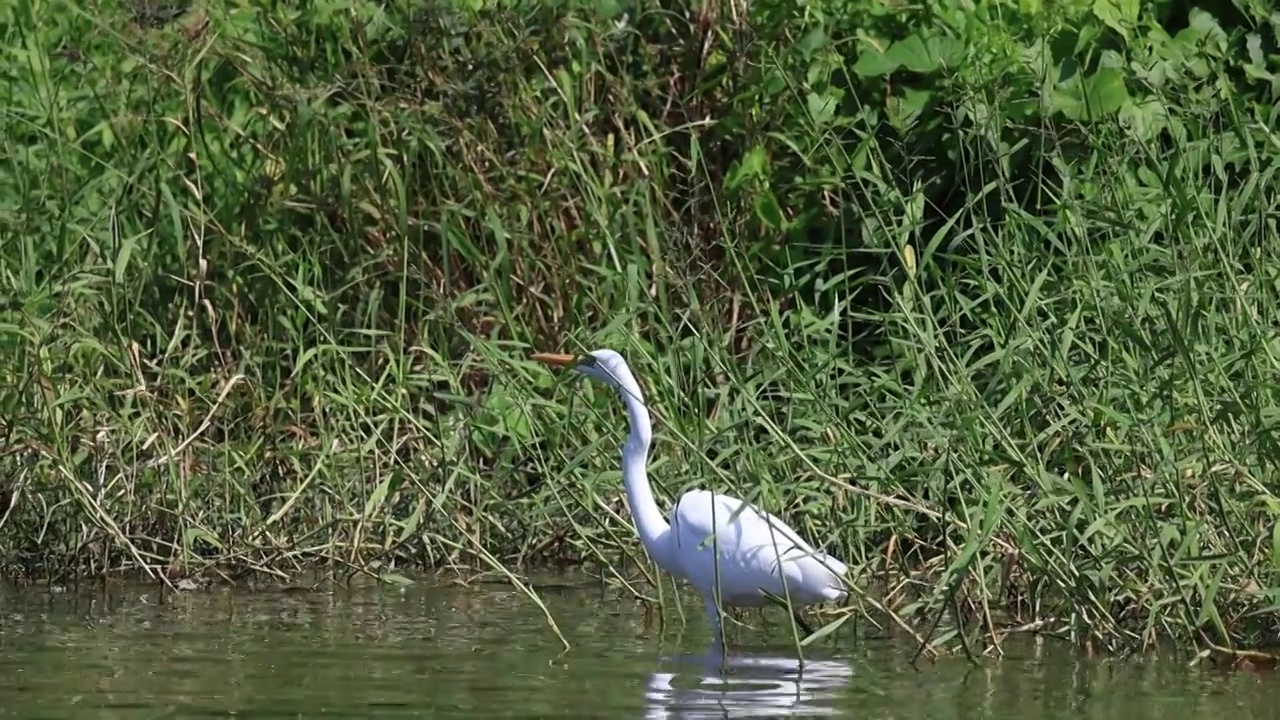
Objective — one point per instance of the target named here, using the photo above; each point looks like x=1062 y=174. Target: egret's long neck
x=650 y=524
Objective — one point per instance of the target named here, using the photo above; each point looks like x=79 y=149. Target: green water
x=487 y=652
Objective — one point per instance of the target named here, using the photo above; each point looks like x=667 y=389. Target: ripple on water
x=455 y=653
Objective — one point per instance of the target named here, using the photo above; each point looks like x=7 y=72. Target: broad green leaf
x=1102 y=94
x=812 y=41
x=913 y=54
x=754 y=164
x=1105 y=92
x=1119 y=15
x=874 y=63
x=768 y=210
x=822 y=108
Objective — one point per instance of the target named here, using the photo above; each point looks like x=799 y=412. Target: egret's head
x=606 y=366
x=609 y=368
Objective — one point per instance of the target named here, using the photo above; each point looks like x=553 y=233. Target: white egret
x=754 y=554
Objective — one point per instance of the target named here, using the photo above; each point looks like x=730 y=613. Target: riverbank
x=979 y=300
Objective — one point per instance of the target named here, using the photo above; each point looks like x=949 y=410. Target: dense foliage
x=975 y=293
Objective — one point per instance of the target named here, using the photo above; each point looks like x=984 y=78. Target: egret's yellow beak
x=556 y=359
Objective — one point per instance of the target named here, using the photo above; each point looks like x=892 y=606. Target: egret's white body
x=757 y=554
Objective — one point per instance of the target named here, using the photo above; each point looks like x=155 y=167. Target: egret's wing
x=735 y=523
x=783 y=530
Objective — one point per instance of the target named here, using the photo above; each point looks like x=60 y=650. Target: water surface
x=459 y=652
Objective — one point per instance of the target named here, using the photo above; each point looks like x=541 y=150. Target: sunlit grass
x=279 y=319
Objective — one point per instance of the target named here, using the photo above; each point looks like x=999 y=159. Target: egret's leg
x=713 y=616
x=715 y=658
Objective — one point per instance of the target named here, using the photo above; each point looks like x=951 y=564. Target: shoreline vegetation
x=982 y=299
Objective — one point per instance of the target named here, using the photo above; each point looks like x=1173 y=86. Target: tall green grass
x=986 y=312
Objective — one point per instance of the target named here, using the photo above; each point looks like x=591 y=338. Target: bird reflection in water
x=754 y=685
